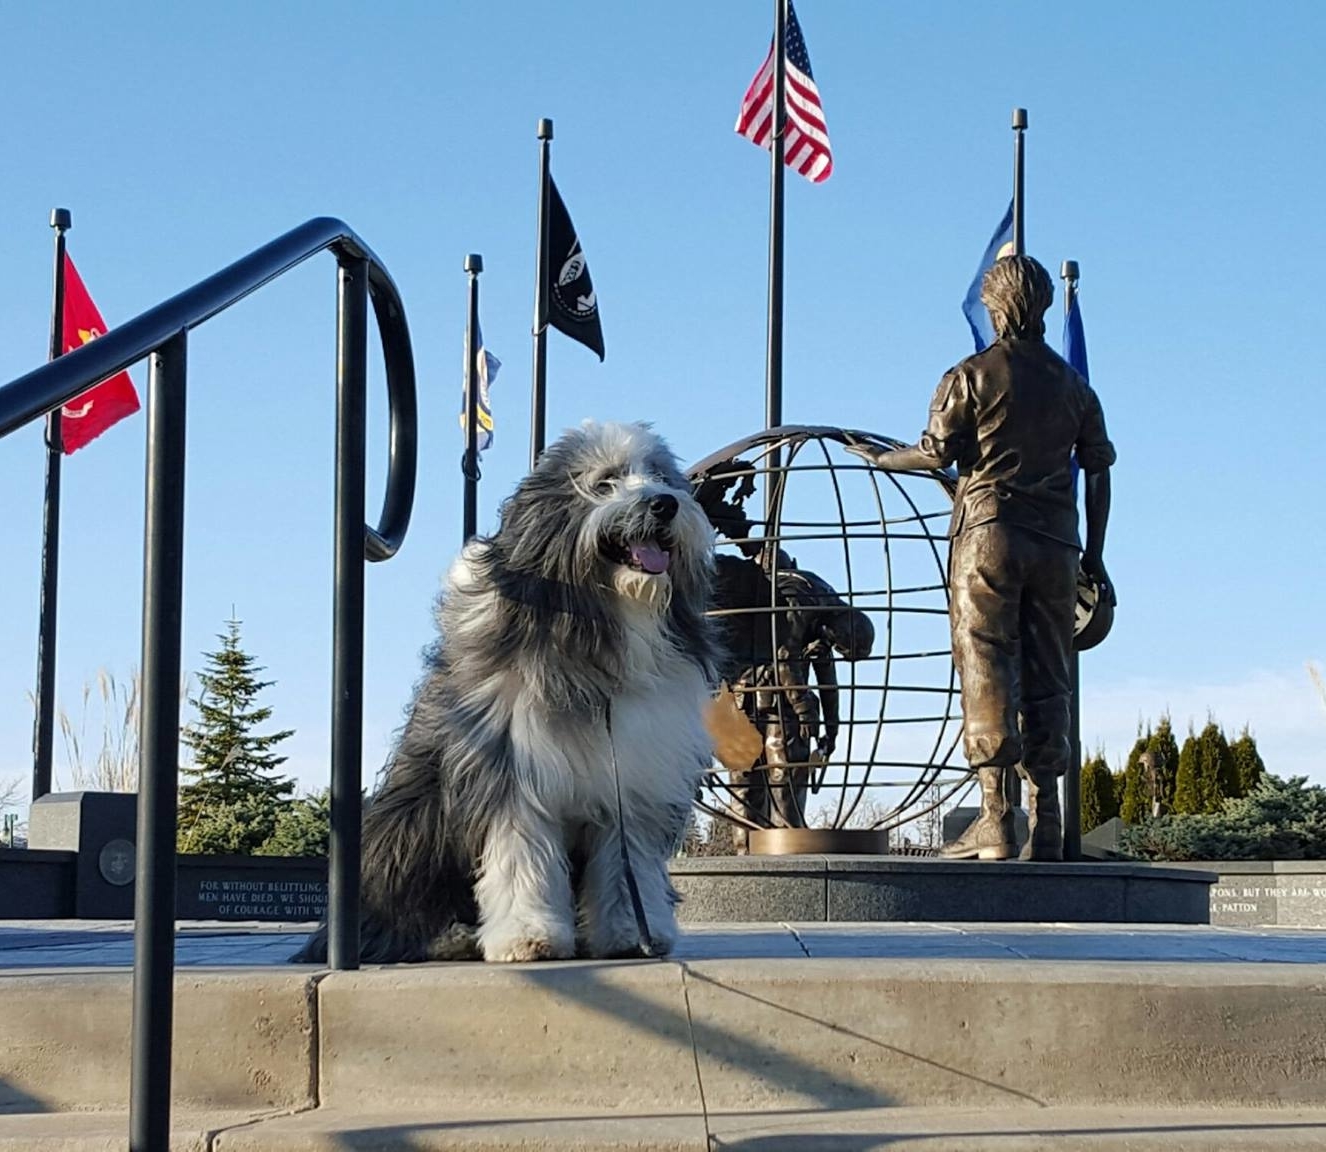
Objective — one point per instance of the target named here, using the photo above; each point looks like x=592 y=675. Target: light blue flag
x=978 y=316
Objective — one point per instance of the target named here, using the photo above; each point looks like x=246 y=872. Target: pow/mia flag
x=572 y=307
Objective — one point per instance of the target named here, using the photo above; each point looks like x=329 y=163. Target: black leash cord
x=641 y=923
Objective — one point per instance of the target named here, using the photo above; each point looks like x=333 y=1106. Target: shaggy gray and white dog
x=575 y=634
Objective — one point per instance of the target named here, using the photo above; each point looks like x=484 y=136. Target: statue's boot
x=990 y=836
x=1044 y=818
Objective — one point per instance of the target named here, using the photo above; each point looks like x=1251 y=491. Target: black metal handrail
x=161 y=333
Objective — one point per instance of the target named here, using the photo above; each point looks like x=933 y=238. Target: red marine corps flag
x=87 y=416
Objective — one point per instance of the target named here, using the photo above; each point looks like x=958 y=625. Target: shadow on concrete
x=760 y=1060
x=399 y=1135
x=206 y=945
x=15 y=1101
x=12 y=938
x=1045 y=1136
x=864 y=1039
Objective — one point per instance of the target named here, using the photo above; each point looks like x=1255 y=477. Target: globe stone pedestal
x=808 y=888
x=813 y=841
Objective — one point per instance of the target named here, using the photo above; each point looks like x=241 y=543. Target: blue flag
x=1075 y=340
x=1075 y=352
x=488 y=366
x=1001 y=244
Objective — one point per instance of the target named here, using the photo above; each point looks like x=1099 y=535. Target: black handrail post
x=348 y=613
x=159 y=738
x=44 y=732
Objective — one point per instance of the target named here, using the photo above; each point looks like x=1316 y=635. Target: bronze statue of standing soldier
x=1013 y=419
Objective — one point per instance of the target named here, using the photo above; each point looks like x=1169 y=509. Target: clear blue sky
x=1177 y=156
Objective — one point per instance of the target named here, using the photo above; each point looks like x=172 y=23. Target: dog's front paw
x=459 y=942
x=519 y=951
x=517 y=943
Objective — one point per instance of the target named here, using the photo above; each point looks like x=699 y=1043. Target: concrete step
x=852 y=1033
x=242 y=1040
x=1011 y=1129
x=736 y=1036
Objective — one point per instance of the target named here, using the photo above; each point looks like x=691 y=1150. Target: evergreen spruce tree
x=1120 y=783
x=1247 y=761
x=1216 y=767
x=1136 y=803
x=233 y=778
x=1164 y=750
x=1099 y=802
x=1277 y=820
x=303 y=828
x=1188 y=796
x=236 y=829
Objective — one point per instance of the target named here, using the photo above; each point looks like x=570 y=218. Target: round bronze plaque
x=116 y=862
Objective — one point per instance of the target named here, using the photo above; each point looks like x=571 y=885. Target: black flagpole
x=1012 y=783
x=44 y=728
x=1020 y=130
x=1073 y=777
x=470 y=464
x=773 y=374
x=538 y=404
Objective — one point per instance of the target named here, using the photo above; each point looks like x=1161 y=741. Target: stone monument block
x=1102 y=842
x=100 y=827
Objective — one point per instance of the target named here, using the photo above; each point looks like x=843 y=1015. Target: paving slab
x=84 y=943
x=58 y=945
x=109 y=1131
x=1013 y=1129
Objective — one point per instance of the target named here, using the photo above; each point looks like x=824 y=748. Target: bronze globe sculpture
x=841 y=698
x=843 y=722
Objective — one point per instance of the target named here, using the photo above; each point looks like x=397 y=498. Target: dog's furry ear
x=547 y=599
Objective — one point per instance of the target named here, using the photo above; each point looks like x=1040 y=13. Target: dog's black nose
x=663 y=507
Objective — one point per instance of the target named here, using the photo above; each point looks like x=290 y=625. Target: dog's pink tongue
x=650 y=557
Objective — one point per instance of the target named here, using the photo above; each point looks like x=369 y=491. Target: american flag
x=806 y=139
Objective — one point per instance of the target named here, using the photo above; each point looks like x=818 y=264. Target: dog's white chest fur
x=657 y=737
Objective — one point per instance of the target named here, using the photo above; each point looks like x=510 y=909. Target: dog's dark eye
x=603 y=485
